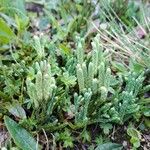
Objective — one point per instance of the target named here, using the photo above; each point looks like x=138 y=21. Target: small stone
x=125 y=144
x=143 y=140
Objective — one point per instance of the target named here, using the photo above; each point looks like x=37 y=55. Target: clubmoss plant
x=93 y=73
x=81 y=103
x=128 y=101
x=39 y=47
x=42 y=89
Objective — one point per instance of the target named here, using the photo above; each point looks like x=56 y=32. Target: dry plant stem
x=47 y=145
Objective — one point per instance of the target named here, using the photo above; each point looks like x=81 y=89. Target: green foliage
x=15 y=8
x=20 y=136
x=68 y=80
x=65 y=137
x=14 y=12
x=106 y=128
x=80 y=70
x=85 y=135
x=125 y=103
x=123 y=9
x=74 y=15
x=11 y=79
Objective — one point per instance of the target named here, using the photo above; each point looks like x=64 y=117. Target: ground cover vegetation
x=74 y=74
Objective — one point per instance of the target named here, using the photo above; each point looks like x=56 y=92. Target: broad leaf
x=20 y=136
x=17 y=111
x=6 y=33
x=109 y=146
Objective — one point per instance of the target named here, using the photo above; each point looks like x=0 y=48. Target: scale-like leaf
x=20 y=136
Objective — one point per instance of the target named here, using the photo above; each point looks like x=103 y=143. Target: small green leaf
x=135 y=136
x=20 y=136
x=120 y=67
x=133 y=132
x=137 y=67
x=106 y=128
x=109 y=146
x=135 y=141
x=147 y=122
x=66 y=138
x=86 y=136
x=64 y=49
x=147 y=113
